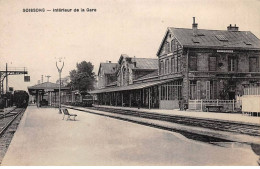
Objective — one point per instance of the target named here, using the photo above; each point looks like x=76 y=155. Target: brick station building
x=191 y=64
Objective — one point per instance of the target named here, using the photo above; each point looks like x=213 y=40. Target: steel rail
x=243 y=128
x=10 y=122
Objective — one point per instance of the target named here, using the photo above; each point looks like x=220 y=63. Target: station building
x=195 y=65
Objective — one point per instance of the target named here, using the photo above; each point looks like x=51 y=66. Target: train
x=87 y=100
x=19 y=98
x=82 y=99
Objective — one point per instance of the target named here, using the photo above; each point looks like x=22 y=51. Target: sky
x=136 y=28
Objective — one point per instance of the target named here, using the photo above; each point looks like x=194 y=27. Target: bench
x=215 y=107
x=66 y=112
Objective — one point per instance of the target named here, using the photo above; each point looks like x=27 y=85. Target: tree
x=83 y=77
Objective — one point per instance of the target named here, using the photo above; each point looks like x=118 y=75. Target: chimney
x=232 y=28
x=194 y=27
x=134 y=62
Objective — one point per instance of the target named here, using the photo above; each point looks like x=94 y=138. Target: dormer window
x=195 y=40
x=247 y=43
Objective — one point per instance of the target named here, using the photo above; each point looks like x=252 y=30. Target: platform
x=236 y=117
x=43 y=138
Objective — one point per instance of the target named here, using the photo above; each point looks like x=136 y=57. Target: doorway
x=231 y=96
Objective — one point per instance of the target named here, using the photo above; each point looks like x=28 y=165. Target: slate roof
x=109 y=68
x=235 y=39
x=146 y=63
x=150 y=75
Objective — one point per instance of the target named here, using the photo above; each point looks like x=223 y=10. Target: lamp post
x=60 y=70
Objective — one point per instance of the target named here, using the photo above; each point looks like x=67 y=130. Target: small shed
x=251 y=99
x=46 y=89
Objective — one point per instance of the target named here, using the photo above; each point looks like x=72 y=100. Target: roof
x=150 y=75
x=213 y=38
x=146 y=63
x=221 y=39
x=108 y=68
x=141 y=63
x=46 y=86
x=129 y=87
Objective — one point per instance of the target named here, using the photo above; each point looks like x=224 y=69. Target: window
x=172 y=63
x=232 y=64
x=195 y=40
x=253 y=64
x=247 y=43
x=173 y=45
x=176 y=64
x=212 y=89
x=167 y=66
x=171 y=90
x=162 y=67
x=193 y=63
x=193 y=90
x=167 y=47
x=198 y=90
x=221 y=38
x=207 y=90
x=212 y=63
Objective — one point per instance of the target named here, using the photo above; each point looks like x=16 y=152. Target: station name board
x=225 y=51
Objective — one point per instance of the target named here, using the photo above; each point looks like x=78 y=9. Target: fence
x=228 y=105
x=252 y=90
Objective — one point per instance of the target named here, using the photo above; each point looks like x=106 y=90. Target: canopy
x=130 y=87
x=46 y=87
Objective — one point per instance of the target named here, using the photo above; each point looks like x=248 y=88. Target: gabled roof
x=108 y=68
x=212 y=39
x=122 y=57
x=141 y=63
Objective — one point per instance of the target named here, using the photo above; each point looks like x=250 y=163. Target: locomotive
x=20 y=98
x=82 y=99
x=87 y=100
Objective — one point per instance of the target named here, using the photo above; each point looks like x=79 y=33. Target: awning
x=45 y=87
x=130 y=87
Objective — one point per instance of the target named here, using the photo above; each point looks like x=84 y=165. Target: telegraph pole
x=6 y=80
x=60 y=70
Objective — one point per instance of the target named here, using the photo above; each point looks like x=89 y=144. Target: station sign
x=26 y=78
x=49 y=90
x=225 y=51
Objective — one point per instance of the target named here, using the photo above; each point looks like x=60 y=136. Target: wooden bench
x=66 y=112
x=215 y=107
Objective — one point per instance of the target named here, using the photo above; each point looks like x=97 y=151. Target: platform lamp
x=60 y=70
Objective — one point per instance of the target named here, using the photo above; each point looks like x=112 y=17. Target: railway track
x=242 y=128
x=7 y=119
x=8 y=126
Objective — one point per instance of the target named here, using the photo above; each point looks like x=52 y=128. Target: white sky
x=136 y=28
